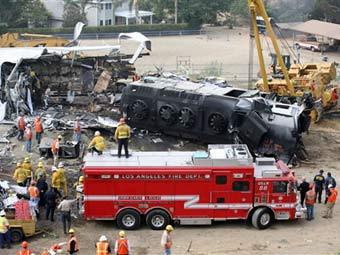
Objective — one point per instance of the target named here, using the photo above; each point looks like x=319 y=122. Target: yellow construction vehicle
x=36 y=40
x=312 y=78
x=31 y=40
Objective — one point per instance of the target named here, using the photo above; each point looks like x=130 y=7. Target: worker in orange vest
x=310 y=201
x=33 y=192
x=24 y=249
x=103 y=247
x=55 y=148
x=21 y=127
x=332 y=196
x=166 y=240
x=122 y=245
x=28 y=136
x=72 y=243
x=38 y=129
x=77 y=130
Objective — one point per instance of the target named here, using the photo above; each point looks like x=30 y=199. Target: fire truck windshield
x=280 y=187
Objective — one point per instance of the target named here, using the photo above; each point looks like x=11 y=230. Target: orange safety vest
x=25 y=252
x=21 y=123
x=55 y=146
x=33 y=192
x=69 y=244
x=123 y=247
x=102 y=248
x=332 y=197
x=310 y=197
x=38 y=126
x=29 y=134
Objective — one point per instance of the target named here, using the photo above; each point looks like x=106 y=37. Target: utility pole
x=176 y=11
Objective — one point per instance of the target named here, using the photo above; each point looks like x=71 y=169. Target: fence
x=97 y=36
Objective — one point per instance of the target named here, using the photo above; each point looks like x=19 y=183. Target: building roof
x=132 y=14
x=320 y=28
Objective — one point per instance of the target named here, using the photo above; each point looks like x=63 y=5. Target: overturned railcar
x=210 y=114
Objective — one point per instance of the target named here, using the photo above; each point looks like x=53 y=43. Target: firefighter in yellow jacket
x=97 y=144
x=20 y=175
x=122 y=136
x=28 y=166
x=63 y=183
x=56 y=185
x=40 y=171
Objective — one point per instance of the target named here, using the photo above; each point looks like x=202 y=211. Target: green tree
x=72 y=15
x=328 y=10
x=35 y=14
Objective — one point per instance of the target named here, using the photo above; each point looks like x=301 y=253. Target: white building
x=56 y=8
x=99 y=13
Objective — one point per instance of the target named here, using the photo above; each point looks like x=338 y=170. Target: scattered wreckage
x=213 y=114
x=45 y=76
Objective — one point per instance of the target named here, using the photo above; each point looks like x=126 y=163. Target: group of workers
x=312 y=192
x=25 y=130
x=102 y=247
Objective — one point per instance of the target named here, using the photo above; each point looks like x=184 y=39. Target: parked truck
x=188 y=188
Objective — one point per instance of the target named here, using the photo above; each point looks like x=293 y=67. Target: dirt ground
x=298 y=237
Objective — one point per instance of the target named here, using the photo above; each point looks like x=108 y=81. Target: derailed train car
x=210 y=114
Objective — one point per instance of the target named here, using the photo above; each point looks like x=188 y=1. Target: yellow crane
x=313 y=78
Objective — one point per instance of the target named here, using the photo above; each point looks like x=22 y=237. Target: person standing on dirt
x=122 y=245
x=310 y=201
x=332 y=196
x=65 y=207
x=55 y=149
x=72 y=243
x=5 y=237
x=319 y=181
x=51 y=203
x=20 y=175
x=103 y=246
x=329 y=181
x=303 y=188
x=77 y=130
x=122 y=136
x=21 y=127
x=43 y=188
x=166 y=240
x=38 y=129
x=28 y=137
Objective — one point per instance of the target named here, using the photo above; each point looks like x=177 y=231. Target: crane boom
x=257 y=8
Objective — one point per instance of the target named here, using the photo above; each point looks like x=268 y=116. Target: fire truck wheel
x=128 y=219
x=16 y=235
x=157 y=219
x=262 y=218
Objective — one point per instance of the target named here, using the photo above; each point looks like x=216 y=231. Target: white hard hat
x=2 y=213
x=54 y=168
x=61 y=164
x=97 y=133
x=102 y=239
x=330 y=186
x=29 y=125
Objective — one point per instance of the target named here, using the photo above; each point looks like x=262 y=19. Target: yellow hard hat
x=169 y=228
x=81 y=178
x=121 y=233
x=71 y=231
x=27 y=159
x=40 y=164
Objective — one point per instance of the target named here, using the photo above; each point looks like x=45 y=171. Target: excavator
x=38 y=40
x=297 y=82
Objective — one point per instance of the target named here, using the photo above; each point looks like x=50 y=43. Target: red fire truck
x=188 y=188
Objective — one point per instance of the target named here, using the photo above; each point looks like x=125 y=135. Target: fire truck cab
x=222 y=183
